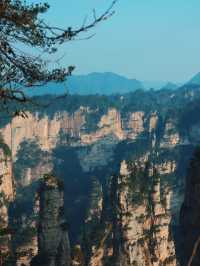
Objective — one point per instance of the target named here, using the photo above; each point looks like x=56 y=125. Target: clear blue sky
x=145 y=39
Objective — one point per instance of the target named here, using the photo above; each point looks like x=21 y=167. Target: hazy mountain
x=102 y=83
x=170 y=86
x=94 y=83
x=195 y=80
x=157 y=85
x=106 y=83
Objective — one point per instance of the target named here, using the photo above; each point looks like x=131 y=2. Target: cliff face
x=72 y=130
x=7 y=193
x=139 y=231
x=190 y=215
x=97 y=139
x=44 y=129
x=147 y=224
x=96 y=150
x=53 y=241
x=47 y=130
x=6 y=182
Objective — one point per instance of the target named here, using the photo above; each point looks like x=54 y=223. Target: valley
x=123 y=161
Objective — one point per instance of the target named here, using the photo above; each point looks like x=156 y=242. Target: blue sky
x=145 y=39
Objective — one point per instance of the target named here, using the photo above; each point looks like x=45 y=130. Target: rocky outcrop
x=146 y=224
x=139 y=232
x=53 y=241
x=136 y=124
x=110 y=123
x=171 y=137
x=162 y=246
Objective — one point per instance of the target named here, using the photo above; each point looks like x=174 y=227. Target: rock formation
x=97 y=136
x=138 y=232
x=7 y=193
x=53 y=241
x=190 y=214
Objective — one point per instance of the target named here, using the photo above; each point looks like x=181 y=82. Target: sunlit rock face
x=71 y=129
x=7 y=194
x=136 y=124
x=153 y=122
x=171 y=136
x=139 y=232
x=44 y=129
x=7 y=182
x=53 y=241
x=109 y=124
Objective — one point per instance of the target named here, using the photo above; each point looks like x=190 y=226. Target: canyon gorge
x=122 y=161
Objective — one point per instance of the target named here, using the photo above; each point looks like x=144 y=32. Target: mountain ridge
x=106 y=83
x=195 y=80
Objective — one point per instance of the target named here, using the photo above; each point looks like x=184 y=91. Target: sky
x=145 y=39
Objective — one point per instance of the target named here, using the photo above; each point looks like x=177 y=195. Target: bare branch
x=21 y=25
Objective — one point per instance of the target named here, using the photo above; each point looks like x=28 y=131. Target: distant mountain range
x=102 y=83
x=94 y=83
x=195 y=80
x=106 y=83
x=170 y=86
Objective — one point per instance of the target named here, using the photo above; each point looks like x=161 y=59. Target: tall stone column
x=53 y=240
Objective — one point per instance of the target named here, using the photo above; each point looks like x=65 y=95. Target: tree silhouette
x=22 y=27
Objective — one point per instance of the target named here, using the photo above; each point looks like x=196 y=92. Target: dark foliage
x=22 y=28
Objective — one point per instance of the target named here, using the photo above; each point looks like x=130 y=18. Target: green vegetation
x=139 y=182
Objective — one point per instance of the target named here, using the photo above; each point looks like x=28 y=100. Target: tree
x=21 y=25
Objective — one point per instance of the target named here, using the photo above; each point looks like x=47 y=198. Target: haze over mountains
x=195 y=80
x=106 y=83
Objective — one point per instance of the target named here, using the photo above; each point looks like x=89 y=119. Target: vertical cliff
x=6 y=197
x=190 y=214
x=137 y=231
x=129 y=221
x=53 y=241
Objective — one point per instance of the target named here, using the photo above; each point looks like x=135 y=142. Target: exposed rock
x=139 y=232
x=153 y=122
x=7 y=193
x=25 y=253
x=190 y=214
x=6 y=179
x=78 y=256
x=136 y=124
x=171 y=136
x=112 y=127
x=53 y=241
x=44 y=129
x=110 y=124
x=166 y=167
x=96 y=202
